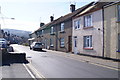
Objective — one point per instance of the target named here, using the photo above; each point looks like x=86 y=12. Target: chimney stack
x=42 y=24
x=51 y=18
x=72 y=7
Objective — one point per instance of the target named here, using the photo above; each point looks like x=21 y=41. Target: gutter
x=112 y=3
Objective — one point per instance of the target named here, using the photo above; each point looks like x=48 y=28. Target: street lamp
x=3 y=19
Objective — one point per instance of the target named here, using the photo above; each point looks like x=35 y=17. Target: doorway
x=75 y=45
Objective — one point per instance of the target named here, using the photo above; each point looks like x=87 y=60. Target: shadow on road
x=8 y=59
x=41 y=50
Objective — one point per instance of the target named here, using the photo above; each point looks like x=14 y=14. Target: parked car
x=36 y=46
x=4 y=45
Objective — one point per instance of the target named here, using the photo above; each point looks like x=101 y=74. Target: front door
x=75 y=45
x=70 y=44
x=45 y=43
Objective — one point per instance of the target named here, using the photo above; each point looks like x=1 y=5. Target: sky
x=29 y=13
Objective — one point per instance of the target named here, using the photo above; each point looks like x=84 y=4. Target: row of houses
x=93 y=29
x=12 y=38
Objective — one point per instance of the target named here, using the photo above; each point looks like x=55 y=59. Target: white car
x=3 y=45
x=36 y=46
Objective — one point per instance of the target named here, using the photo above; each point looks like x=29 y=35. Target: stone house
x=57 y=35
x=88 y=30
x=112 y=30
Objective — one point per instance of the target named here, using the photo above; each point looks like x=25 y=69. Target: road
x=54 y=66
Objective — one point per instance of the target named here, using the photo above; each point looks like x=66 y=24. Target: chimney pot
x=42 y=24
x=72 y=7
x=51 y=18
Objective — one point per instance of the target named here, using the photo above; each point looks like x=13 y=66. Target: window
x=62 y=27
x=119 y=41
x=75 y=41
x=88 y=21
x=42 y=31
x=62 y=42
x=52 y=30
x=118 y=12
x=77 y=24
x=87 y=41
x=51 y=42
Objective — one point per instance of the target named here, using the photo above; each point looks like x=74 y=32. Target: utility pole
x=0 y=25
x=3 y=17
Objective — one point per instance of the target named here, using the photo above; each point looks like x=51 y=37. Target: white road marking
x=36 y=72
x=29 y=71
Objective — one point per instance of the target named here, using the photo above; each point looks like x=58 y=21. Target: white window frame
x=88 y=21
x=62 y=27
x=52 y=30
x=77 y=24
x=118 y=7
x=62 y=42
x=88 y=41
x=42 y=31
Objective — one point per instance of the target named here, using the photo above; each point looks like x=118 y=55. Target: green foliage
x=25 y=44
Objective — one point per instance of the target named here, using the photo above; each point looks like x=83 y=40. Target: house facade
x=92 y=29
x=57 y=35
x=112 y=30
x=32 y=38
x=61 y=34
x=88 y=31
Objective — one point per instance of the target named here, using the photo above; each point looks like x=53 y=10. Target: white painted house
x=88 y=31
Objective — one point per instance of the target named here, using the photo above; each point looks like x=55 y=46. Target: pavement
x=92 y=60
x=15 y=71
x=13 y=66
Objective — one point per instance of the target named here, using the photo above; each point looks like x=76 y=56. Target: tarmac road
x=53 y=66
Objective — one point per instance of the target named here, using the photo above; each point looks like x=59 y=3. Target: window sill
x=77 y=29
x=52 y=33
x=118 y=51
x=118 y=21
x=62 y=31
x=62 y=46
x=51 y=46
x=88 y=48
x=88 y=27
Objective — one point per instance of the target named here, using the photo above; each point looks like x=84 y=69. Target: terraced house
x=112 y=30
x=88 y=30
x=57 y=35
x=96 y=30
x=93 y=29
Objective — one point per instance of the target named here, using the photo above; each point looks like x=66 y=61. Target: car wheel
x=33 y=48
x=40 y=49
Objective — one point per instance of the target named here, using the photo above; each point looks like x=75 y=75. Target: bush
x=25 y=44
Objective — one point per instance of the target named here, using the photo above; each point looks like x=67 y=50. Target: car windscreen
x=38 y=44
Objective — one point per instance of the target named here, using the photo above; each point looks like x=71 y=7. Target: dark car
x=36 y=46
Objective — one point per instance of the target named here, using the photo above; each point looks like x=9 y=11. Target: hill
x=20 y=33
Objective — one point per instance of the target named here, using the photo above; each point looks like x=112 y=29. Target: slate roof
x=97 y=5
x=65 y=17
x=94 y=7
